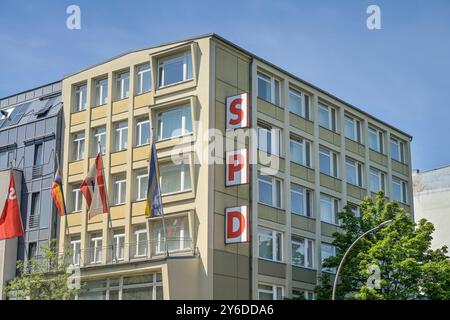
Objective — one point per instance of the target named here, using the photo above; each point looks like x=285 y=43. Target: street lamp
x=381 y=225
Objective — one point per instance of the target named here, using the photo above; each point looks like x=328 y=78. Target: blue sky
x=399 y=74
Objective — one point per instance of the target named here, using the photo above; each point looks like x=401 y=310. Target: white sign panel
x=237 y=111
x=236 y=164
x=236 y=225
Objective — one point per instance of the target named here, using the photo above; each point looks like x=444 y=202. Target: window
x=399 y=188
x=327 y=117
x=174 y=122
x=300 y=151
x=99 y=141
x=143 y=82
x=101 y=92
x=302 y=252
x=177 y=232
x=7 y=159
x=327 y=250
x=75 y=250
x=328 y=161
x=308 y=295
x=119 y=244
x=353 y=171
x=352 y=128
x=175 y=69
x=301 y=200
x=139 y=287
x=76 y=199
x=78 y=146
x=377 y=180
x=119 y=188
x=174 y=178
x=142 y=132
x=141 y=185
x=95 y=250
x=141 y=242
x=270 y=244
x=398 y=150
x=355 y=209
x=269 y=191
x=375 y=140
x=269 y=140
x=35 y=210
x=121 y=136
x=38 y=154
x=268 y=89
x=122 y=85
x=80 y=97
x=329 y=208
x=299 y=103
x=32 y=250
x=270 y=292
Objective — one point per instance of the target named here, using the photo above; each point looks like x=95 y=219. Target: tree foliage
x=42 y=278
x=409 y=268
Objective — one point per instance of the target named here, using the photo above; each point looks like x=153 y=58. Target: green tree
x=43 y=278
x=409 y=268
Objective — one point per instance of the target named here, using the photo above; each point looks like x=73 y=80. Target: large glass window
x=270 y=292
x=101 y=92
x=269 y=140
x=269 y=191
x=352 y=129
x=299 y=103
x=399 y=188
x=99 y=145
x=119 y=188
x=141 y=241
x=142 y=132
x=398 y=150
x=175 y=69
x=174 y=122
x=119 y=244
x=75 y=250
x=177 y=232
x=301 y=200
x=300 y=151
x=302 y=252
x=96 y=248
x=377 y=180
x=375 y=138
x=268 y=89
x=78 y=146
x=38 y=154
x=76 y=198
x=327 y=117
x=174 y=178
x=80 y=97
x=327 y=250
x=328 y=161
x=270 y=244
x=143 y=76
x=329 y=208
x=7 y=159
x=141 y=185
x=121 y=136
x=353 y=171
x=122 y=85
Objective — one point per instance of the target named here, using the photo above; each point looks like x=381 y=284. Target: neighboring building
x=432 y=202
x=30 y=136
x=329 y=154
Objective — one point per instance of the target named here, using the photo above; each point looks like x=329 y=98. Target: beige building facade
x=325 y=154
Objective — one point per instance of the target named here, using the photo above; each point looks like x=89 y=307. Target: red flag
x=10 y=219
x=94 y=189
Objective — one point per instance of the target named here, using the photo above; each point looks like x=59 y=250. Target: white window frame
x=380 y=139
x=356 y=126
x=305 y=147
x=274 y=84
x=138 y=242
x=381 y=176
x=140 y=123
x=334 y=205
x=403 y=189
x=358 y=170
x=265 y=132
x=322 y=258
x=75 y=247
x=184 y=118
x=119 y=134
x=98 y=140
x=80 y=97
x=274 y=291
x=101 y=91
x=141 y=194
x=182 y=177
x=120 y=182
x=307 y=244
x=332 y=117
x=98 y=249
x=274 y=183
x=186 y=57
x=272 y=235
x=400 y=146
x=307 y=205
x=333 y=161
x=140 y=71
x=119 y=251
x=76 y=199
x=79 y=145
x=305 y=111
x=307 y=294
x=122 y=81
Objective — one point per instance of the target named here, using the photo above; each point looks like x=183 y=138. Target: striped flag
x=58 y=194
x=154 y=203
x=94 y=189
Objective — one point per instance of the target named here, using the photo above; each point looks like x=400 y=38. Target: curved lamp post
x=381 y=225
